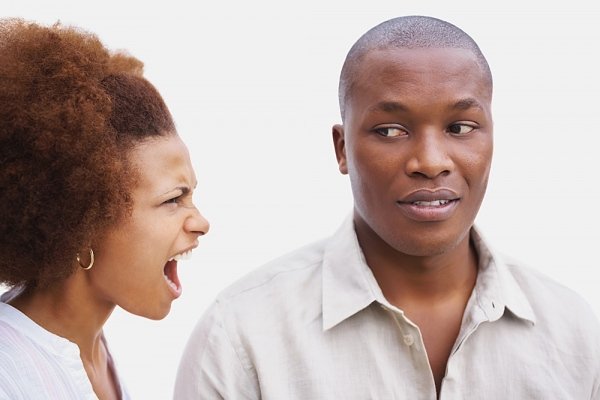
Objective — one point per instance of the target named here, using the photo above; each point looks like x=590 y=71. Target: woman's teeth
x=181 y=256
x=170 y=282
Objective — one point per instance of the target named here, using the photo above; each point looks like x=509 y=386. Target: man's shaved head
x=409 y=32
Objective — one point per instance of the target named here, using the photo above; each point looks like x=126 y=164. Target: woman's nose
x=197 y=224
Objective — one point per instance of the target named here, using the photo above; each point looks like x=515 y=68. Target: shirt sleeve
x=596 y=388
x=3 y=395
x=8 y=390
x=211 y=366
x=9 y=377
x=596 y=340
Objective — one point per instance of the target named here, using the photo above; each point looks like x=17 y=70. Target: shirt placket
x=475 y=315
x=413 y=345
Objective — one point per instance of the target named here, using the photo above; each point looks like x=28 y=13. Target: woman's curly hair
x=70 y=110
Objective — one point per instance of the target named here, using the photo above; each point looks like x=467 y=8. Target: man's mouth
x=433 y=203
x=426 y=205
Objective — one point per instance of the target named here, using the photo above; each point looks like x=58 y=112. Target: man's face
x=417 y=144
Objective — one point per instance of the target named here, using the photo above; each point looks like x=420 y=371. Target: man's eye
x=460 y=129
x=390 y=131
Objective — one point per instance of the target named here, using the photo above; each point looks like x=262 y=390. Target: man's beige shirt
x=315 y=325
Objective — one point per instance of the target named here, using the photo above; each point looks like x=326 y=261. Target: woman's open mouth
x=170 y=272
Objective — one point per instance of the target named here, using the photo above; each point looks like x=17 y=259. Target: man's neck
x=421 y=280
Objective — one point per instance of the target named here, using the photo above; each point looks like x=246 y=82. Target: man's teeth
x=182 y=256
x=170 y=282
x=434 y=203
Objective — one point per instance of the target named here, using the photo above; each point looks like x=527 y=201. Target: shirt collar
x=349 y=285
x=496 y=288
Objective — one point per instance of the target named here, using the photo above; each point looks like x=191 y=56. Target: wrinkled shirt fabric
x=314 y=324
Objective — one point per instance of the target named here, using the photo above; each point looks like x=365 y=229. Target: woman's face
x=136 y=261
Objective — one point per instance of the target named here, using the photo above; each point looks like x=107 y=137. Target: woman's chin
x=155 y=314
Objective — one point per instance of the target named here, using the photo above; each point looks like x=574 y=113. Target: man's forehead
x=411 y=56
x=442 y=63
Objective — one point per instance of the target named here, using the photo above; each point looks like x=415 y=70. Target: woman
x=96 y=192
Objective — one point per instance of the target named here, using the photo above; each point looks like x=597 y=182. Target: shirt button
x=409 y=340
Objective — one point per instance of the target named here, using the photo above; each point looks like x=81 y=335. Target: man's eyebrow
x=388 y=106
x=465 y=104
x=394 y=106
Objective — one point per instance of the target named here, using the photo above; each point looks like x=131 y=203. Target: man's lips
x=430 y=196
x=426 y=205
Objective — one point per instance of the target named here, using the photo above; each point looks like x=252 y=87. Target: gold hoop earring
x=91 y=260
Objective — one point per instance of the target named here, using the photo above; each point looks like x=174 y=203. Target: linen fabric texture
x=314 y=324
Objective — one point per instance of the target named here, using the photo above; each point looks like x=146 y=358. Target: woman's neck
x=67 y=310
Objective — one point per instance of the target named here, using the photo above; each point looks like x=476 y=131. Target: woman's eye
x=460 y=129
x=390 y=131
x=174 y=200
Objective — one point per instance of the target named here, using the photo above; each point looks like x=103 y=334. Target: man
x=406 y=300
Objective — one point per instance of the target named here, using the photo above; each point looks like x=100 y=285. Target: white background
x=253 y=89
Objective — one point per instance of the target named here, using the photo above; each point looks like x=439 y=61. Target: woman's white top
x=37 y=364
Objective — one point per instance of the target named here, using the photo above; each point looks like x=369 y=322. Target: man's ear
x=339 y=143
